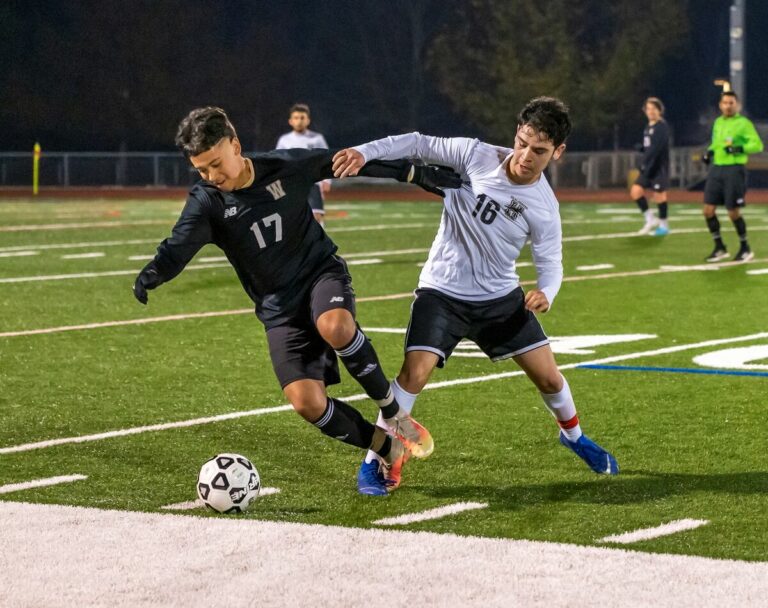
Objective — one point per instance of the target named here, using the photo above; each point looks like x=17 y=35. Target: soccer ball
x=228 y=483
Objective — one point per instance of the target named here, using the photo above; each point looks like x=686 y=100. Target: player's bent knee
x=550 y=384
x=336 y=329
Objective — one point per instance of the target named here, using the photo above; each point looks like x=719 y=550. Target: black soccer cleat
x=718 y=254
x=744 y=255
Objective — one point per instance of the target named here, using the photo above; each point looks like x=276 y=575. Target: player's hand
x=147 y=279
x=347 y=162
x=536 y=301
x=706 y=158
x=433 y=178
x=734 y=149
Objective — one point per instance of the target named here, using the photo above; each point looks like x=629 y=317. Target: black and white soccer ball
x=228 y=483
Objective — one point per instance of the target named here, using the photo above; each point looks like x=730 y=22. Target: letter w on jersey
x=276 y=189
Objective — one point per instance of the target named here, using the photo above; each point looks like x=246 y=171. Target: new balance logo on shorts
x=368 y=369
x=336 y=299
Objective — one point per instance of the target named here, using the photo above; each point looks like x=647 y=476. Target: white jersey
x=486 y=222
x=309 y=140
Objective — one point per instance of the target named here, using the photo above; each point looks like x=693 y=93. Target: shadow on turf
x=630 y=487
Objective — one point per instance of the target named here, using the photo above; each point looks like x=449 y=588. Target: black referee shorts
x=297 y=350
x=502 y=327
x=726 y=185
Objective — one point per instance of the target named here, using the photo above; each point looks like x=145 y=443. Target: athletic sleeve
x=652 y=154
x=321 y=141
x=752 y=142
x=190 y=234
x=454 y=152
x=317 y=165
x=547 y=250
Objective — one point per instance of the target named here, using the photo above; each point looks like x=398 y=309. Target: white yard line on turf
x=93 y=275
x=189 y=505
x=67 y=226
x=74 y=556
x=614 y=275
x=434 y=385
x=673 y=527
x=82 y=256
x=40 y=483
x=365 y=262
x=761 y=271
x=436 y=513
x=184 y=317
x=81 y=245
x=116 y=243
x=595 y=267
x=18 y=254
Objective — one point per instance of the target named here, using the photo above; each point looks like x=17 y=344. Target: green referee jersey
x=736 y=130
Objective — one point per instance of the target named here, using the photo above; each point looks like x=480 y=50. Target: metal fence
x=590 y=170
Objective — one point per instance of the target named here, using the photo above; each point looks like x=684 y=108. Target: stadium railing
x=590 y=170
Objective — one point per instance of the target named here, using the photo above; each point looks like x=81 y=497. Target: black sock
x=714 y=228
x=741 y=230
x=361 y=362
x=662 y=211
x=343 y=422
x=642 y=204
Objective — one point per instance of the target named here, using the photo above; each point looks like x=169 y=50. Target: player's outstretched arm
x=191 y=232
x=429 y=177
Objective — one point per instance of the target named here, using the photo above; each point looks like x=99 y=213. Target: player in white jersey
x=469 y=287
x=302 y=137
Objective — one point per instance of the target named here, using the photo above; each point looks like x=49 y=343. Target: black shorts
x=297 y=350
x=726 y=185
x=502 y=327
x=658 y=182
x=315 y=199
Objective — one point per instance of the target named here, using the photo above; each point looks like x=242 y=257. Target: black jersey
x=266 y=230
x=655 y=149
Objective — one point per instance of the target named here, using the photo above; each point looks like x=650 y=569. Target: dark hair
x=299 y=107
x=729 y=94
x=547 y=115
x=656 y=102
x=202 y=129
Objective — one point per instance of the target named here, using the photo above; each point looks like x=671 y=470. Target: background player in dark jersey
x=255 y=209
x=654 y=169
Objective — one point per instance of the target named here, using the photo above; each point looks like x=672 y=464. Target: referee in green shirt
x=734 y=138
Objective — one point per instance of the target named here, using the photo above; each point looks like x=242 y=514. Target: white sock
x=648 y=216
x=405 y=400
x=562 y=407
x=664 y=223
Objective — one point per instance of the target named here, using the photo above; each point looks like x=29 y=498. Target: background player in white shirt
x=469 y=287
x=302 y=137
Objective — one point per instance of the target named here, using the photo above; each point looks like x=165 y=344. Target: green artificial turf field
x=690 y=445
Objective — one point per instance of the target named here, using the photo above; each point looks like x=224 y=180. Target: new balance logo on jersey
x=368 y=369
x=336 y=299
x=229 y=212
x=514 y=209
x=276 y=189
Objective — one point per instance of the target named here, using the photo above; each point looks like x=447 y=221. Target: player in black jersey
x=654 y=168
x=255 y=209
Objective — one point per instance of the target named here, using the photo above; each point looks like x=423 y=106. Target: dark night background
x=98 y=75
